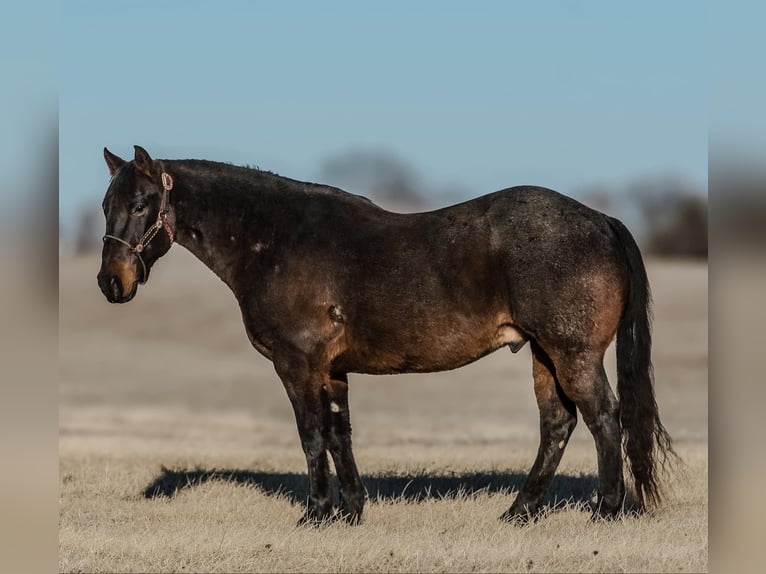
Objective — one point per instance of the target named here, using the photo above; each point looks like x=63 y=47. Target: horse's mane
x=256 y=175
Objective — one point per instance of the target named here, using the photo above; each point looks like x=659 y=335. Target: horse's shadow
x=565 y=488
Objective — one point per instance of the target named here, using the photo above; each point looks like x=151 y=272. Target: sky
x=481 y=95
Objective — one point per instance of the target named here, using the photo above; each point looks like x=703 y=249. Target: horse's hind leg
x=338 y=427
x=583 y=379
x=558 y=418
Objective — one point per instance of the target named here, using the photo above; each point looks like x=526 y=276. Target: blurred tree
x=88 y=235
x=675 y=218
x=598 y=197
x=740 y=203
x=386 y=178
x=685 y=234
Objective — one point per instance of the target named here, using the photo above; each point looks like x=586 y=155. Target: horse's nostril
x=115 y=286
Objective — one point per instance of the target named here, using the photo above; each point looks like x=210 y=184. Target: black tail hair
x=646 y=442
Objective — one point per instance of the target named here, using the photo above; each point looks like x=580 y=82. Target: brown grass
x=170 y=381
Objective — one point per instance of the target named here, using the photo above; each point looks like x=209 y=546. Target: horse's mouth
x=124 y=298
x=113 y=290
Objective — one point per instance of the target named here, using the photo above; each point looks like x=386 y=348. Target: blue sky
x=481 y=95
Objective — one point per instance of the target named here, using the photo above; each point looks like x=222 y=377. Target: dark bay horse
x=329 y=284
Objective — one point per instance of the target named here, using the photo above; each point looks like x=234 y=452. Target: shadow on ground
x=415 y=487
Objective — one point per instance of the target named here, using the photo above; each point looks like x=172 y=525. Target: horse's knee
x=312 y=442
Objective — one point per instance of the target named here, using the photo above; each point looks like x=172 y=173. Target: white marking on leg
x=334 y=407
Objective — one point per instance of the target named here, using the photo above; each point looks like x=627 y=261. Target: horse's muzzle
x=112 y=288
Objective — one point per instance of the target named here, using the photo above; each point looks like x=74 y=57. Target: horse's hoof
x=601 y=515
x=519 y=518
x=311 y=519
x=306 y=520
x=352 y=518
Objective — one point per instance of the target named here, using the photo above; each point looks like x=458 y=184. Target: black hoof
x=601 y=514
x=597 y=517
x=520 y=516
x=311 y=519
x=352 y=518
x=351 y=507
x=608 y=509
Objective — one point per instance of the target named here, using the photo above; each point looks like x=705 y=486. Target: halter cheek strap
x=161 y=223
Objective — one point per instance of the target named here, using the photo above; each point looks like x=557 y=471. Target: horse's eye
x=138 y=209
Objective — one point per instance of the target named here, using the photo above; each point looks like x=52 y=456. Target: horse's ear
x=113 y=162
x=143 y=161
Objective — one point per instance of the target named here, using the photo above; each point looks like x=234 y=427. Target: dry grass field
x=179 y=453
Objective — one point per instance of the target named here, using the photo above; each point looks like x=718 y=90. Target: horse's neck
x=210 y=224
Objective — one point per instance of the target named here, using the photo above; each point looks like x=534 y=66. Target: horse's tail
x=646 y=442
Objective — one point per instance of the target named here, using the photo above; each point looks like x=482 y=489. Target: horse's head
x=138 y=223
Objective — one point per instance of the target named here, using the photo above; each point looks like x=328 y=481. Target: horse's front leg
x=304 y=386
x=338 y=425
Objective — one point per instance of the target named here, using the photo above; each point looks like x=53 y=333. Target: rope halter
x=161 y=223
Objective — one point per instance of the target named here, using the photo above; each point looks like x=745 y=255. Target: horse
x=328 y=284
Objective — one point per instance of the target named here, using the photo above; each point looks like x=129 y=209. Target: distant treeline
x=740 y=205
x=668 y=217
